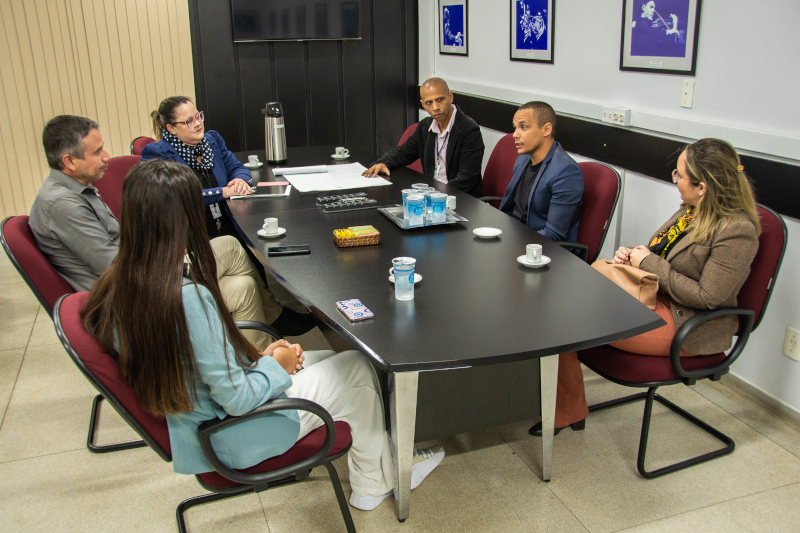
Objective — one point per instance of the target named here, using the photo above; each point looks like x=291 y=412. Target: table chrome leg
x=403 y=415
x=548 y=375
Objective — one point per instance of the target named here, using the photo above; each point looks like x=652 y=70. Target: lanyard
x=443 y=143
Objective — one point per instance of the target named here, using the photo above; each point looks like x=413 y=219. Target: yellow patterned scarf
x=666 y=240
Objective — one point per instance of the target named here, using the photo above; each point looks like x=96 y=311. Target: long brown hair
x=138 y=301
x=728 y=189
x=165 y=114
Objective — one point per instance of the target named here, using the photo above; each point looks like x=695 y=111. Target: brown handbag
x=640 y=284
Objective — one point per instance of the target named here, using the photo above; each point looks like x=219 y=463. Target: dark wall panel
x=290 y=74
x=359 y=92
x=255 y=71
x=219 y=69
x=389 y=72
x=323 y=69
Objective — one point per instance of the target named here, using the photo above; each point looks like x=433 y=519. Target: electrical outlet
x=790 y=344
x=616 y=115
x=687 y=93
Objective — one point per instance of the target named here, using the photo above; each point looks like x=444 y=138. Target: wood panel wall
x=357 y=93
x=109 y=60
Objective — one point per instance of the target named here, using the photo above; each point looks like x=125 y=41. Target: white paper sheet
x=285 y=171
x=337 y=177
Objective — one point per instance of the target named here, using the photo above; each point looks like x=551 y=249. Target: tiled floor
x=489 y=480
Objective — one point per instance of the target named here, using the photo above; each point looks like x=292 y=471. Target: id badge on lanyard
x=438 y=161
x=215 y=211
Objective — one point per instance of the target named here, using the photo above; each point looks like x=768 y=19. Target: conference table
x=462 y=355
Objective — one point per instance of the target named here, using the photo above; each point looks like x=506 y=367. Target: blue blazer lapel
x=519 y=169
x=542 y=170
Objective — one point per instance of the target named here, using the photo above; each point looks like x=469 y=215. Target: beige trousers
x=346 y=385
x=243 y=290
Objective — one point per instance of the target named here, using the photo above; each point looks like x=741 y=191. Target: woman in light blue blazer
x=179 y=349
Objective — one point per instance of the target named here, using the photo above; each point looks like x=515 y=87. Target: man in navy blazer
x=547 y=184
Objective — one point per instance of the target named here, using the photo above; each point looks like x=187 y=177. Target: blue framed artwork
x=660 y=36
x=453 y=32
x=532 y=26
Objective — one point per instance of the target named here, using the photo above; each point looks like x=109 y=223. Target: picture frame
x=660 y=36
x=532 y=30
x=453 y=27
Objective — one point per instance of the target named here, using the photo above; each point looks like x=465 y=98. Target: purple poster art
x=453 y=25
x=533 y=24
x=658 y=28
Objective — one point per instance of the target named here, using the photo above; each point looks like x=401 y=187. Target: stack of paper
x=329 y=178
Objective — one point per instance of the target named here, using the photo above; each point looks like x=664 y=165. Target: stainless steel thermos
x=274 y=132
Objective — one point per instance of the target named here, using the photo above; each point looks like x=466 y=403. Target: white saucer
x=262 y=233
x=259 y=165
x=487 y=233
x=417 y=278
x=524 y=261
x=340 y=157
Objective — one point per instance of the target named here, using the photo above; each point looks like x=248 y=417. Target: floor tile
x=10 y=362
x=734 y=398
x=481 y=485
x=18 y=308
x=8 y=274
x=594 y=471
x=773 y=510
x=132 y=490
x=43 y=332
x=49 y=410
x=793 y=448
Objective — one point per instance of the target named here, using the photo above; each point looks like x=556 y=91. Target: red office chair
x=635 y=370
x=140 y=142
x=110 y=185
x=498 y=171
x=318 y=448
x=48 y=285
x=601 y=187
x=416 y=165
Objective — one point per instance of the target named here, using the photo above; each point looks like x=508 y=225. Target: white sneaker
x=424 y=462
x=367 y=503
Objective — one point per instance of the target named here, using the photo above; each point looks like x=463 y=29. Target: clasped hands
x=236 y=187
x=289 y=356
x=632 y=256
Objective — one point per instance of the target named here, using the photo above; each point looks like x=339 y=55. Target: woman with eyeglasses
x=178 y=127
x=182 y=138
x=701 y=256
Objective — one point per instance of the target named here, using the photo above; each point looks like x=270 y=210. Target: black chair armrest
x=747 y=316
x=206 y=429
x=488 y=199
x=266 y=328
x=582 y=248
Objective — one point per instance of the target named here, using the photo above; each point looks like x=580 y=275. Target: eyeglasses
x=190 y=121
x=676 y=176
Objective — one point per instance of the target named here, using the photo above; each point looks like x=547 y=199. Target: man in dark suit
x=448 y=143
x=547 y=184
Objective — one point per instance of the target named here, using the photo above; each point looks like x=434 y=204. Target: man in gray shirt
x=79 y=235
x=72 y=225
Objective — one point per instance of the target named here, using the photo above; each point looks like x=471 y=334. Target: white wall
x=748 y=73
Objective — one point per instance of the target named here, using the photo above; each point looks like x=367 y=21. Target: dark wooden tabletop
x=476 y=305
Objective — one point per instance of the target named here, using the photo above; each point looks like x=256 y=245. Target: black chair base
x=95 y=448
x=649 y=396
x=221 y=494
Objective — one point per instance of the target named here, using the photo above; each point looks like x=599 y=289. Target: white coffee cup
x=252 y=160
x=270 y=225
x=341 y=151
x=533 y=253
x=451 y=202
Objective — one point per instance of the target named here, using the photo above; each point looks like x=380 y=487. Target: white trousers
x=346 y=385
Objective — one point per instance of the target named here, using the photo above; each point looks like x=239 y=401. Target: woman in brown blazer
x=701 y=256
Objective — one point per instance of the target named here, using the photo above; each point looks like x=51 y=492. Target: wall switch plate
x=790 y=344
x=616 y=115
x=687 y=93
